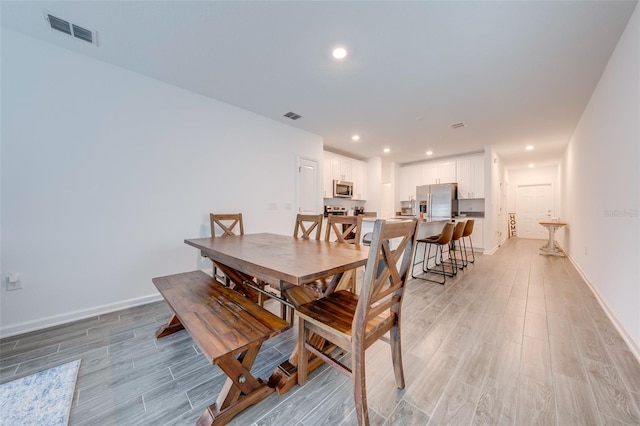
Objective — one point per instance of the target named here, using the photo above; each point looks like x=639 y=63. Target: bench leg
x=240 y=390
x=170 y=327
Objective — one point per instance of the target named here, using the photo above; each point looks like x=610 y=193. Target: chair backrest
x=306 y=223
x=458 y=230
x=446 y=235
x=231 y=224
x=342 y=227
x=385 y=274
x=468 y=228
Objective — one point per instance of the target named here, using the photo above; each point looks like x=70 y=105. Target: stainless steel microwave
x=342 y=189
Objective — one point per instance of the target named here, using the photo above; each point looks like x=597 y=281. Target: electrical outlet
x=12 y=281
x=14 y=286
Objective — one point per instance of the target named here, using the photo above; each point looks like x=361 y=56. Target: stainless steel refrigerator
x=437 y=202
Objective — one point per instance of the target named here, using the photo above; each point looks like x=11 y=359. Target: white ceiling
x=516 y=73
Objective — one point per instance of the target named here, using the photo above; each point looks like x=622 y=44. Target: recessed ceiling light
x=531 y=165
x=429 y=152
x=529 y=147
x=339 y=53
x=387 y=150
x=355 y=137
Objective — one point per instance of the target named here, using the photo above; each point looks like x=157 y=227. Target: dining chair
x=306 y=224
x=230 y=224
x=354 y=322
x=345 y=229
x=304 y=228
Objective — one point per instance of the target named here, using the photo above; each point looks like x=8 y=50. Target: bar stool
x=439 y=241
x=458 y=231
x=468 y=230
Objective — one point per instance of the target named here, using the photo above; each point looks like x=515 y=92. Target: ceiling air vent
x=292 y=115
x=82 y=33
x=59 y=24
x=458 y=125
x=71 y=29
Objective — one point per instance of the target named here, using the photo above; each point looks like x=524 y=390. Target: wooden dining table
x=286 y=263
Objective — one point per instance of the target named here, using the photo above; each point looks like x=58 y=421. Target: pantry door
x=308 y=186
x=534 y=203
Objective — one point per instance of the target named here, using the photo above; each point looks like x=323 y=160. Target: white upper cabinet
x=337 y=167
x=410 y=177
x=438 y=172
x=470 y=177
x=341 y=169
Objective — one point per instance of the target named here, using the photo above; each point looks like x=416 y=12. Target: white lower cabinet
x=477 y=236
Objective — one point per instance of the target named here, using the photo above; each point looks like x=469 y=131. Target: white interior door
x=308 y=189
x=533 y=204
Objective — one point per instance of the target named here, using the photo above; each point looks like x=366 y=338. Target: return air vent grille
x=59 y=24
x=71 y=29
x=292 y=115
x=82 y=33
x=458 y=125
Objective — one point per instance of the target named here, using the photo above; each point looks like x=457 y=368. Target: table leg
x=240 y=391
x=550 y=248
x=170 y=327
x=285 y=376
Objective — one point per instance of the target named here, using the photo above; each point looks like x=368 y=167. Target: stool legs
x=466 y=253
x=439 y=261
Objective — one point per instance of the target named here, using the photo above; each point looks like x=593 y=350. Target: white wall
x=106 y=172
x=600 y=178
x=494 y=215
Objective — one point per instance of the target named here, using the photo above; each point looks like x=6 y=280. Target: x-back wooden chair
x=346 y=321
x=345 y=229
x=306 y=224
x=230 y=224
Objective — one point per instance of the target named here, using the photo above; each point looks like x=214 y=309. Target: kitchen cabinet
x=341 y=169
x=359 y=179
x=327 y=177
x=337 y=167
x=477 y=236
x=410 y=177
x=438 y=172
x=470 y=177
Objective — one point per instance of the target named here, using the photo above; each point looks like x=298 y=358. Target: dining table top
x=280 y=257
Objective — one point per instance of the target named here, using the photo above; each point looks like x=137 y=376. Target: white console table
x=550 y=248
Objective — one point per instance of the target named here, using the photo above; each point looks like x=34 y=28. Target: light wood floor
x=516 y=338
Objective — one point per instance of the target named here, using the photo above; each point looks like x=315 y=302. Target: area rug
x=43 y=398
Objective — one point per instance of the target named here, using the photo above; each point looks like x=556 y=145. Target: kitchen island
x=426 y=228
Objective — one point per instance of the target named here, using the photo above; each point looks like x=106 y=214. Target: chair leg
x=302 y=353
x=396 y=353
x=360 y=386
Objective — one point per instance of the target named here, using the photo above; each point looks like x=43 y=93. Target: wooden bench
x=229 y=329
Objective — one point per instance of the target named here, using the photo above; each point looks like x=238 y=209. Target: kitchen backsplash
x=471 y=206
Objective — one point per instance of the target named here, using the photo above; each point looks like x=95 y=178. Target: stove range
x=336 y=210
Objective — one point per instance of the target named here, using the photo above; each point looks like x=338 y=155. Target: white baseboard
x=491 y=252
x=54 y=320
x=633 y=345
